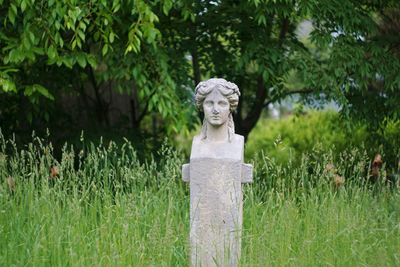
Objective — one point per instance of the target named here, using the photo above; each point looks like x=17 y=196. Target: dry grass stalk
x=338 y=180
x=375 y=167
x=331 y=171
x=11 y=183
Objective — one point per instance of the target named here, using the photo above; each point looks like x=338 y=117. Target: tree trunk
x=245 y=125
x=196 y=67
x=100 y=105
x=135 y=108
x=195 y=57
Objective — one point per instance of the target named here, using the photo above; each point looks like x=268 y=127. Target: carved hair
x=227 y=89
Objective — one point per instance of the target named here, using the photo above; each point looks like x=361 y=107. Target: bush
x=289 y=138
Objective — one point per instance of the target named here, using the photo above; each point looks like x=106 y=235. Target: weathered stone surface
x=215 y=211
x=215 y=173
x=185 y=172
x=247 y=173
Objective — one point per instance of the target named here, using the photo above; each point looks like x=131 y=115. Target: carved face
x=216 y=108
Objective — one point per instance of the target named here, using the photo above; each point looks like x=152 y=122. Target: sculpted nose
x=215 y=110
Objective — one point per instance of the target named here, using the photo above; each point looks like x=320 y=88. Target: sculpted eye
x=223 y=103
x=208 y=103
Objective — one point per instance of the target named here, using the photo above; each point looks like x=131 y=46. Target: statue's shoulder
x=239 y=137
x=196 y=139
x=201 y=148
x=196 y=142
x=238 y=144
x=197 y=147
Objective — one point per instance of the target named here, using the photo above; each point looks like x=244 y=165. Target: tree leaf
x=52 y=52
x=111 y=37
x=91 y=60
x=7 y=85
x=81 y=60
x=43 y=91
x=23 y=5
x=105 y=49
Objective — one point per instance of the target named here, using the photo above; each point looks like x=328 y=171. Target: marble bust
x=215 y=173
x=217 y=98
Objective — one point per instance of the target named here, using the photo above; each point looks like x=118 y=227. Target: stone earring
x=231 y=127
x=204 y=129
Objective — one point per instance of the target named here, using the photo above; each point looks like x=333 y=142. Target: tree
x=256 y=45
x=159 y=51
x=50 y=48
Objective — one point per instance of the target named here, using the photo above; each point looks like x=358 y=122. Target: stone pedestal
x=216 y=173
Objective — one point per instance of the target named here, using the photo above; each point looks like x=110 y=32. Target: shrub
x=289 y=138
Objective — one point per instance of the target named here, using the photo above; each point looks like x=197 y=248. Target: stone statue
x=215 y=173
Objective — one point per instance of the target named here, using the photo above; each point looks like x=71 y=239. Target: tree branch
x=284 y=30
x=144 y=111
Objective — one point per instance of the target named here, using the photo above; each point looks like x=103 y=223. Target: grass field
x=102 y=206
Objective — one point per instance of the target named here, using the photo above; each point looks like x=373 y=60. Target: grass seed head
x=338 y=180
x=330 y=168
x=11 y=183
x=376 y=166
x=54 y=172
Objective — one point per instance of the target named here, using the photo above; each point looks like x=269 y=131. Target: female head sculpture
x=217 y=114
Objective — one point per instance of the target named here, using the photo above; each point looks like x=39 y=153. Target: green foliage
x=158 y=50
x=287 y=139
x=7 y=84
x=350 y=56
x=61 y=29
x=104 y=207
x=57 y=47
x=389 y=142
x=392 y=133
x=359 y=67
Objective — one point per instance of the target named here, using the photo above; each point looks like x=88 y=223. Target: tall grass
x=107 y=208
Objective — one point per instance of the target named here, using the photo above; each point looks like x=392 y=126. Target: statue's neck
x=217 y=133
